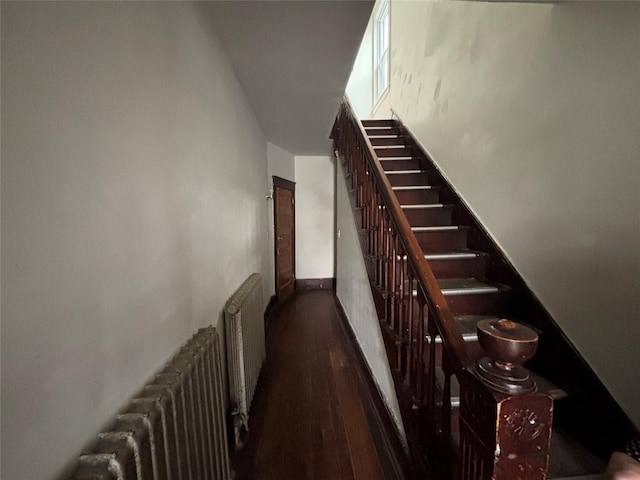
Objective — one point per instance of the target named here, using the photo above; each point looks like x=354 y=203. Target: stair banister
x=504 y=434
x=427 y=284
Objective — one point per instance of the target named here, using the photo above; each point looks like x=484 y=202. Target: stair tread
x=414 y=187
x=454 y=255
x=467 y=286
x=404 y=172
x=425 y=205
x=395 y=158
x=439 y=228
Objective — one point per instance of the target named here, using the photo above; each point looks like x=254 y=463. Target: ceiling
x=293 y=60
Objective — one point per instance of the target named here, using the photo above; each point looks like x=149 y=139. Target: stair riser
x=442 y=241
x=428 y=217
x=477 y=304
x=407 y=179
x=458 y=268
x=393 y=152
x=413 y=197
x=378 y=123
x=391 y=165
x=384 y=141
x=481 y=304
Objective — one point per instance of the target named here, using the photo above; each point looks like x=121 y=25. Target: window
x=381 y=50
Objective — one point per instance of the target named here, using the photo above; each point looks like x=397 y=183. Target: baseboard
x=381 y=414
x=315 y=284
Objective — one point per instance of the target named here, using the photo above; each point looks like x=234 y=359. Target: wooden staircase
x=459 y=270
x=477 y=284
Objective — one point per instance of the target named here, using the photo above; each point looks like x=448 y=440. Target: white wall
x=315 y=217
x=532 y=112
x=354 y=292
x=133 y=204
x=280 y=163
x=360 y=87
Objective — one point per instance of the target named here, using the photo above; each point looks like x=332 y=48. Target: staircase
x=429 y=313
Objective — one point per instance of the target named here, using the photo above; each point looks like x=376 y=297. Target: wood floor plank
x=362 y=450
x=308 y=420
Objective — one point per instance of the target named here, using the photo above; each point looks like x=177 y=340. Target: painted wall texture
x=354 y=292
x=133 y=204
x=360 y=88
x=533 y=112
x=315 y=217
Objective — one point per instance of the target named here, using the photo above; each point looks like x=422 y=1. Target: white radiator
x=246 y=351
x=174 y=428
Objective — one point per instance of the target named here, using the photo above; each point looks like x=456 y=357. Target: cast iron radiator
x=174 y=428
x=246 y=351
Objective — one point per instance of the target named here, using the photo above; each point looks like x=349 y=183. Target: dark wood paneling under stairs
x=314 y=415
x=479 y=283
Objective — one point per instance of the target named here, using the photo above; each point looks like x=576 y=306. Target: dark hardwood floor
x=312 y=416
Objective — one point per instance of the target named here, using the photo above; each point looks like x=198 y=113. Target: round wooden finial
x=508 y=345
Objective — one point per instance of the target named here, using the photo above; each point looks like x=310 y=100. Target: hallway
x=313 y=415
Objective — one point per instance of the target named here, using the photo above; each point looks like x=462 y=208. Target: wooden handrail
x=426 y=281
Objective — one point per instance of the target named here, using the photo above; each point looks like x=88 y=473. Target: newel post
x=505 y=425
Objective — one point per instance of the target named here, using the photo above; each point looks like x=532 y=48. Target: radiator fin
x=174 y=429
x=246 y=351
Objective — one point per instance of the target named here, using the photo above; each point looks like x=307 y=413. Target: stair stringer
x=354 y=294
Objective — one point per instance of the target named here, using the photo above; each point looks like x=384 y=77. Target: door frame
x=279 y=182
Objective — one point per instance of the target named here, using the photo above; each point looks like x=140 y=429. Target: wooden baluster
x=361 y=169
x=371 y=204
x=393 y=271
x=432 y=331
x=389 y=264
x=380 y=238
x=421 y=350
x=446 y=398
x=408 y=332
x=393 y=286
x=399 y=294
x=355 y=176
x=352 y=153
x=375 y=222
x=371 y=197
x=368 y=224
x=388 y=252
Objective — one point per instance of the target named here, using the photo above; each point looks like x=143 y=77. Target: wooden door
x=284 y=228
